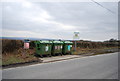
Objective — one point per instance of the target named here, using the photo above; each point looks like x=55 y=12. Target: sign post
x=75 y=38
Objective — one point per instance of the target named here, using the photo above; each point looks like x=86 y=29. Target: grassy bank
x=21 y=57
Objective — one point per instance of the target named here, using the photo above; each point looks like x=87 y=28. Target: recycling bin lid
x=26 y=40
x=45 y=42
x=58 y=42
x=68 y=42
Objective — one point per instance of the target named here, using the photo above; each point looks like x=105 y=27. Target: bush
x=32 y=45
x=11 y=45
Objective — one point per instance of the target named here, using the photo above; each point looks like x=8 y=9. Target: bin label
x=55 y=47
x=46 y=48
x=69 y=47
x=61 y=46
x=58 y=47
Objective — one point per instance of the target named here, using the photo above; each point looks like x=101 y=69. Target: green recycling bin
x=57 y=47
x=43 y=47
x=67 y=47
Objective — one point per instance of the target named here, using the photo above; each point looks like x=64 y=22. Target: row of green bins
x=53 y=47
x=67 y=47
x=43 y=47
x=57 y=47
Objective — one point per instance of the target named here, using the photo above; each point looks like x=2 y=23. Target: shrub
x=11 y=45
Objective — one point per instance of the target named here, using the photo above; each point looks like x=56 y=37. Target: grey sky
x=60 y=20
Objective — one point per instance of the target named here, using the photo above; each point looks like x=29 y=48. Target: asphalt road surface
x=92 y=67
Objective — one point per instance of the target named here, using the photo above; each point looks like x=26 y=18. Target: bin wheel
x=41 y=56
x=49 y=55
x=36 y=55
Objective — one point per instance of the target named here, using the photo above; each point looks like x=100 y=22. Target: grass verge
x=94 y=51
x=18 y=57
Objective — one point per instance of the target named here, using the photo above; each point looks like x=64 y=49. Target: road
x=92 y=67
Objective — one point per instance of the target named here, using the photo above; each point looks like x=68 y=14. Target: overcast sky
x=60 y=19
